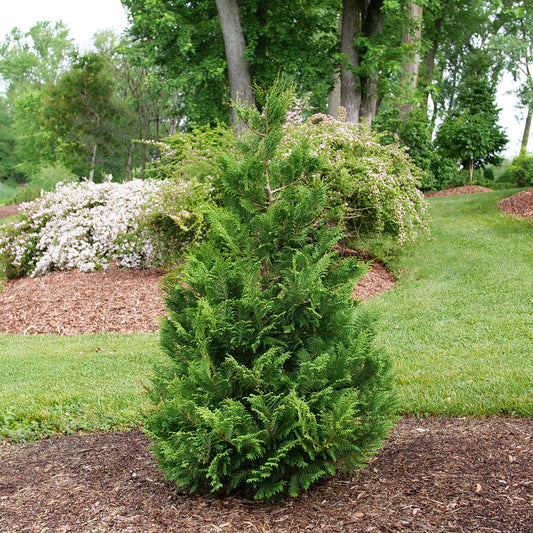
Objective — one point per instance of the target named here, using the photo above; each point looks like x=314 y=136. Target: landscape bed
x=434 y=474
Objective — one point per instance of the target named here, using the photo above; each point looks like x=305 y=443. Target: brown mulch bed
x=73 y=302
x=433 y=475
x=465 y=189
x=520 y=204
x=116 y=300
x=8 y=210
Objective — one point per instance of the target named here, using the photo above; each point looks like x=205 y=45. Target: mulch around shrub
x=433 y=475
x=453 y=191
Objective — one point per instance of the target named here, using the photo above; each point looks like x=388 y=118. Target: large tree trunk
x=358 y=93
x=350 y=91
x=412 y=38
x=240 y=79
x=372 y=24
x=334 y=97
x=527 y=130
x=429 y=67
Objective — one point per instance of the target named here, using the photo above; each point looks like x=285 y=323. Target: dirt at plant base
x=433 y=475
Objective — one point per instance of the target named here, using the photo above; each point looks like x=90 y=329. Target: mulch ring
x=520 y=204
x=434 y=475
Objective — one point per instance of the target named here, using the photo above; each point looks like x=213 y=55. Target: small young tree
x=273 y=379
x=470 y=134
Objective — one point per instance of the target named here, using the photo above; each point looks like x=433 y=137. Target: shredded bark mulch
x=73 y=302
x=465 y=189
x=520 y=204
x=433 y=475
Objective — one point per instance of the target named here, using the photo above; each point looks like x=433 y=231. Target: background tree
x=515 y=39
x=80 y=112
x=28 y=62
x=470 y=133
x=186 y=40
x=7 y=144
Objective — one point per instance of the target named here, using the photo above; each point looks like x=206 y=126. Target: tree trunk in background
x=527 y=130
x=350 y=91
x=334 y=97
x=372 y=24
x=239 y=77
x=412 y=38
x=359 y=93
x=93 y=163
x=429 y=66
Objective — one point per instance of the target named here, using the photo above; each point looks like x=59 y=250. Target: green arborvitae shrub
x=273 y=379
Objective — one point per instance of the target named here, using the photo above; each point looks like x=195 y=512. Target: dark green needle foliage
x=273 y=379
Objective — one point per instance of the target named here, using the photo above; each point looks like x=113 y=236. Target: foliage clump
x=520 y=172
x=376 y=185
x=273 y=380
x=87 y=226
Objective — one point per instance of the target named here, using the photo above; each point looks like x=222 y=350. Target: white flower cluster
x=85 y=226
x=376 y=184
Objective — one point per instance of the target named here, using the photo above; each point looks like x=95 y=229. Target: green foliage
x=273 y=380
x=7 y=143
x=470 y=133
x=520 y=172
x=8 y=191
x=192 y=155
x=44 y=181
x=373 y=184
x=80 y=113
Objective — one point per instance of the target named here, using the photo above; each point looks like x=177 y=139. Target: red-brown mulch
x=465 y=189
x=433 y=475
x=8 y=210
x=73 y=302
x=520 y=204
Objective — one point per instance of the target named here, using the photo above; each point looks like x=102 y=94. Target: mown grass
x=460 y=322
x=459 y=326
x=51 y=384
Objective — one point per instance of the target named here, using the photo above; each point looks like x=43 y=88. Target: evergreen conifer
x=273 y=378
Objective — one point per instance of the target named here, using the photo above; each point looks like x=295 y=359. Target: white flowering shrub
x=87 y=226
x=376 y=186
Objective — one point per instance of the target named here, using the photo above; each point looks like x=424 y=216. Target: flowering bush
x=376 y=186
x=87 y=226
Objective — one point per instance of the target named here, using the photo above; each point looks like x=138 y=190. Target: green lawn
x=460 y=322
x=51 y=384
x=459 y=325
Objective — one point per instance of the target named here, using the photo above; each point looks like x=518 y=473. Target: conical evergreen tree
x=273 y=379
